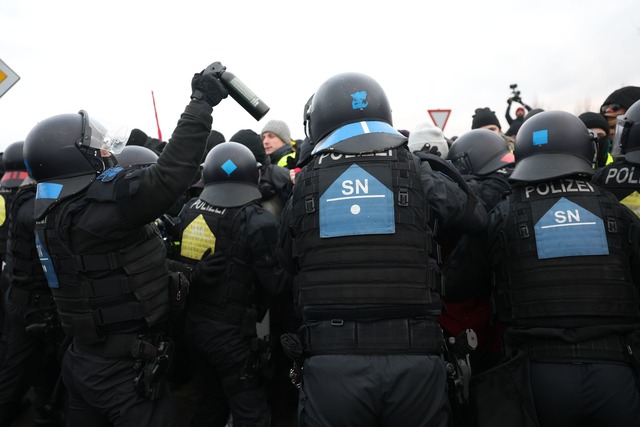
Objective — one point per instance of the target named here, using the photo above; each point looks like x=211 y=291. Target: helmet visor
x=97 y=136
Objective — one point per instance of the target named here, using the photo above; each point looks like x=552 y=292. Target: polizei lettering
x=337 y=156
x=204 y=206
x=558 y=187
x=623 y=175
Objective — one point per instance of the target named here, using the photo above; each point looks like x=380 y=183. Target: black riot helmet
x=626 y=141
x=231 y=176
x=350 y=114
x=67 y=148
x=480 y=152
x=553 y=144
x=136 y=155
x=14 y=167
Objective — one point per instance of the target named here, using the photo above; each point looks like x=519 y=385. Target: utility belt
x=40 y=300
x=603 y=349
x=389 y=336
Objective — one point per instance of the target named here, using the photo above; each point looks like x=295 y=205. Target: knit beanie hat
x=483 y=117
x=594 y=120
x=279 y=128
x=253 y=142
x=214 y=139
x=625 y=96
x=427 y=134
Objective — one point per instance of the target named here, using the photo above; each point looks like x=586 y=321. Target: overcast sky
x=107 y=57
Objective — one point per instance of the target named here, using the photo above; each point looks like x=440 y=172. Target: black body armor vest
x=362 y=239
x=124 y=291
x=566 y=246
x=226 y=298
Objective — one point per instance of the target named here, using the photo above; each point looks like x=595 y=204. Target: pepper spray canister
x=240 y=92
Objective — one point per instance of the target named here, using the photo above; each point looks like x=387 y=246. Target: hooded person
x=597 y=124
x=484 y=118
x=617 y=103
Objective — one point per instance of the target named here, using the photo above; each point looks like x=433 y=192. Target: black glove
x=208 y=267
x=137 y=137
x=434 y=150
x=208 y=87
x=431 y=149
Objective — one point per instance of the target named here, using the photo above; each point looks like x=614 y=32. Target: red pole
x=156 y=113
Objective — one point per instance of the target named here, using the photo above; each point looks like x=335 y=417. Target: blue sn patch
x=541 y=137
x=109 y=174
x=229 y=167
x=359 y=100
x=356 y=203
x=48 y=190
x=568 y=229
x=47 y=264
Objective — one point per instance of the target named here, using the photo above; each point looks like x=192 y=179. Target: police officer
x=565 y=258
x=223 y=309
x=35 y=338
x=275 y=184
x=622 y=176
x=105 y=263
x=15 y=173
x=485 y=161
x=357 y=235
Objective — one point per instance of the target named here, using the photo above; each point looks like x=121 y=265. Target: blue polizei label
x=48 y=190
x=568 y=229
x=357 y=203
x=47 y=264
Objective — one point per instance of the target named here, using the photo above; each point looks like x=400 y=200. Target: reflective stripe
x=354 y=129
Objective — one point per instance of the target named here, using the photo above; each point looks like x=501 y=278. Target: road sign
x=7 y=78
x=439 y=117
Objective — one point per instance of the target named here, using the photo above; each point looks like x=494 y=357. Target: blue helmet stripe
x=355 y=129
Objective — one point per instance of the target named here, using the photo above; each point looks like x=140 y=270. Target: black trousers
x=31 y=360
x=585 y=394
x=101 y=392
x=374 y=390
x=225 y=350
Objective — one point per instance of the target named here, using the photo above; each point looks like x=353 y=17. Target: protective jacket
x=622 y=179
x=123 y=288
x=247 y=235
x=362 y=238
x=566 y=246
x=28 y=283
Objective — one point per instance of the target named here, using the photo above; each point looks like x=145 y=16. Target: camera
x=515 y=93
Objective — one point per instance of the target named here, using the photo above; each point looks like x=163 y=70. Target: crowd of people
x=361 y=276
